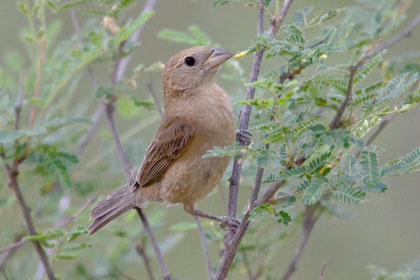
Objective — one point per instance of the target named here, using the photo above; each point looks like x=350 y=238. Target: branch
x=205 y=247
x=13 y=184
x=232 y=240
x=135 y=38
x=322 y=273
x=141 y=250
x=9 y=254
x=308 y=224
x=165 y=271
x=118 y=74
x=337 y=119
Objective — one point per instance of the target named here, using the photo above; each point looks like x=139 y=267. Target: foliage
x=322 y=166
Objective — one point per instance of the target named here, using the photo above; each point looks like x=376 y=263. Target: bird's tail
x=115 y=204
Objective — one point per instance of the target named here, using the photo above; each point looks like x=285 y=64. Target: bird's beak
x=217 y=57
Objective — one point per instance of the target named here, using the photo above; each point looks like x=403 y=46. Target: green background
x=385 y=231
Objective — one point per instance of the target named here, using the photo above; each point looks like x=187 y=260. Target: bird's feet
x=229 y=223
x=243 y=137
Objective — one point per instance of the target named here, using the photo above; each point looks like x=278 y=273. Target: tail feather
x=117 y=203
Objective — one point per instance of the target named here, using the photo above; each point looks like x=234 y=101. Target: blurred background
x=384 y=232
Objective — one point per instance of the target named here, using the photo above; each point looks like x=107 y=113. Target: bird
x=198 y=115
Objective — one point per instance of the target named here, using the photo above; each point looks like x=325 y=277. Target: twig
x=18 y=105
x=232 y=241
x=96 y=118
x=10 y=247
x=68 y=219
x=308 y=223
x=205 y=248
x=123 y=274
x=337 y=119
x=8 y=254
x=109 y=109
x=141 y=250
x=155 y=98
x=119 y=73
x=135 y=38
x=13 y=184
x=165 y=271
x=322 y=273
x=401 y=35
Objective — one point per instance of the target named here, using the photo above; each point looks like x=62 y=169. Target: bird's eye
x=190 y=61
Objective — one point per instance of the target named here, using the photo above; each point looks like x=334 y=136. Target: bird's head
x=192 y=68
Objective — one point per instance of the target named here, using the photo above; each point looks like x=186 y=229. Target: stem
x=109 y=109
x=322 y=273
x=205 y=248
x=308 y=224
x=142 y=253
x=165 y=271
x=13 y=184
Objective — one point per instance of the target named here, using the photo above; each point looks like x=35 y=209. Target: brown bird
x=197 y=116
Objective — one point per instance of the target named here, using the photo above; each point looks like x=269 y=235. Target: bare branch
x=9 y=254
x=232 y=240
x=205 y=248
x=322 y=273
x=401 y=35
x=165 y=271
x=13 y=184
x=96 y=118
x=135 y=38
x=109 y=109
x=68 y=219
x=141 y=250
x=18 y=105
x=308 y=223
x=123 y=274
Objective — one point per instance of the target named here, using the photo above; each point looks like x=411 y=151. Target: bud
x=110 y=24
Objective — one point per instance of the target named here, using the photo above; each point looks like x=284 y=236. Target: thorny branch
x=337 y=120
x=232 y=240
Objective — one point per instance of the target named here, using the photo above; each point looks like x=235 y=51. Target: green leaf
x=371 y=178
x=128 y=29
x=314 y=191
x=350 y=194
x=403 y=165
x=300 y=18
x=196 y=37
x=284 y=218
x=126 y=108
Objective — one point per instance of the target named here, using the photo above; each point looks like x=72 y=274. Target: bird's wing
x=170 y=141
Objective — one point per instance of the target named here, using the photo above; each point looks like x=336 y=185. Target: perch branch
x=205 y=247
x=141 y=251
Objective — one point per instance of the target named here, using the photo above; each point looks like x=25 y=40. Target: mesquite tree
x=330 y=89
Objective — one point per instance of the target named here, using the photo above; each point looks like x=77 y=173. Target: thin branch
x=141 y=251
x=232 y=240
x=308 y=223
x=135 y=39
x=243 y=122
x=401 y=35
x=109 y=109
x=18 y=105
x=8 y=254
x=123 y=274
x=322 y=273
x=205 y=248
x=337 y=119
x=96 y=118
x=165 y=271
x=13 y=184
x=69 y=219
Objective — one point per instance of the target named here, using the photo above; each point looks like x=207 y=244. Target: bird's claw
x=243 y=136
x=230 y=223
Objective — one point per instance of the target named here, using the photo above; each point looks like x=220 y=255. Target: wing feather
x=170 y=141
